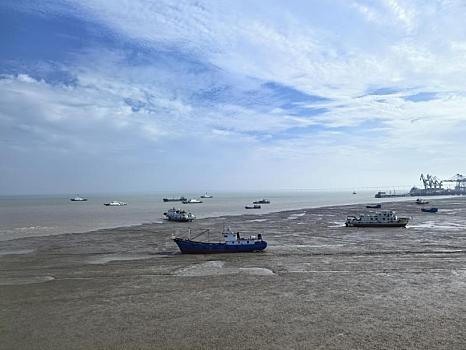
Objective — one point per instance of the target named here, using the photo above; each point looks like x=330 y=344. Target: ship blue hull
x=192 y=247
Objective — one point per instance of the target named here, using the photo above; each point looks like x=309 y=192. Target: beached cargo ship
x=386 y=218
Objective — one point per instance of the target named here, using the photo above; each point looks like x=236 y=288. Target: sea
x=42 y=215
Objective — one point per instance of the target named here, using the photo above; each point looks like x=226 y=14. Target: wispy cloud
x=376 y=83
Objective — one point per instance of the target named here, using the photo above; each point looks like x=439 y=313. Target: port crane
x=433 y=186
x=460 y=181
x=431 y=182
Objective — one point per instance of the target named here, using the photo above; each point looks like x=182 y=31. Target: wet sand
x=318 y=285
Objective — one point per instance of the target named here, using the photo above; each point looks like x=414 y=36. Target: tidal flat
x=319 y=285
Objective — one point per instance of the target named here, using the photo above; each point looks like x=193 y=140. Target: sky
x=138 y=95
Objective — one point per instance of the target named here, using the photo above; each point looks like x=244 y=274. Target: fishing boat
x=179 y=199
x=429 y=210
x=421 y=201
x=374 y=206
x=78 y=199
x=354 y=192
x=179 y=215
x=205 y=195
x=232 y=242
x=254 y=206
x=262 y=201
x=386 y=218
x=115 y=204
x=191 y=201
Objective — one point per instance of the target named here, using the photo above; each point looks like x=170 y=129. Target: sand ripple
x=116 y=257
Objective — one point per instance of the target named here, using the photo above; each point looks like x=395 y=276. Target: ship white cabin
x=234 y=238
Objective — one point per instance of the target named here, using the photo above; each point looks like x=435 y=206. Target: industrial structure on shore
x=433 y=186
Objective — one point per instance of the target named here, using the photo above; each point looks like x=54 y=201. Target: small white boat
x=115 y=204
x=78 y=199
x=192 y=201
x=207 y=195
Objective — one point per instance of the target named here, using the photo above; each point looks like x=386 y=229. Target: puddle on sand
x=295 y=216
x=108 y=258
x=256 y=271
x=217 y=268
x=14 y=281
x=437 y=226
x=337 y=224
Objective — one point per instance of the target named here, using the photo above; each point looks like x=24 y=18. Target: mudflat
x=318 y=285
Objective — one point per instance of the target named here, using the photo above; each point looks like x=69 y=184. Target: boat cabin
x=231 y=237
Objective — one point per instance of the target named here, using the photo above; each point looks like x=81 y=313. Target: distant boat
x=179 y=199
x=429 y=210
x=232 y=243
x=115 y=204
x=78 y=199
x=207 y=196
x=354 y=192
x=391 y=194
x=262 y=201
x=386 y=218
x=374 y=206
x=421 y=201
x=254 y=206
x=191 y=201
x=179 y=215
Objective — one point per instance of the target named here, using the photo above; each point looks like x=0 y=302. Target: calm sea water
x=26 y=216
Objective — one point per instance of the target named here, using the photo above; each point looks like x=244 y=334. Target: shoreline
x=388 y=201
x=164 y=225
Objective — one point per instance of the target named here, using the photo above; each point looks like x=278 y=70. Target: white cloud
x=337 y=50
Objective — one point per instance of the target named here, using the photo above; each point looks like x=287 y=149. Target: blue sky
x=102 y=96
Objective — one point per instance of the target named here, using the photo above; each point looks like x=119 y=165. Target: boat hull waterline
x=401 y=224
